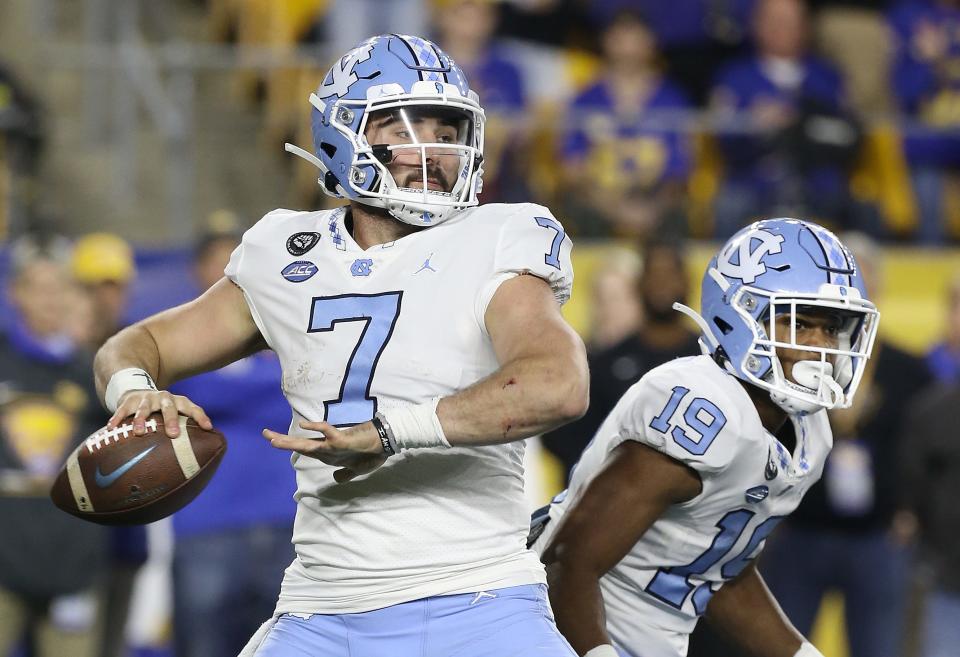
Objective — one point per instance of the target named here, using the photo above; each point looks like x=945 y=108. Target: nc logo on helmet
x=341 y=76
x=749 y=256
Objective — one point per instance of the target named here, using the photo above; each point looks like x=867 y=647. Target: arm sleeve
x=531 y=241
x=684 y=418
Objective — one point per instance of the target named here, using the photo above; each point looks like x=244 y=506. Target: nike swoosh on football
x=103 y=480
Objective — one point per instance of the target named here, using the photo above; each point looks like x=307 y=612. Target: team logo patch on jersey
x=300 y=243
x=299 y=271
x=361 y=267
x=756 y=494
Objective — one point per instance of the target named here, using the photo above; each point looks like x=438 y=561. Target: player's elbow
x=565 y=562
x=572 y=389
x=574 y=404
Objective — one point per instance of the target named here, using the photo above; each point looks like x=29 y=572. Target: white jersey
x=360 y=330
x=693 y=411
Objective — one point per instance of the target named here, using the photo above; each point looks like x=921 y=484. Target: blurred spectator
x=855 y=36
x=616 y=311
x=103 y=264
x=83 y=321
x=930 y=459
x=51 y=563
x=844 y=535
x=944 y=358
x=926 y=79
x=466 y=29
x=558 y=23
x=787 y=141
x=694 y=35
x=233 y=542
x=350 y=22
x=663 y=335
x=625 y=161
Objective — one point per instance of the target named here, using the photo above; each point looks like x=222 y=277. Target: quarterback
x=691 y=471
x=421 y=340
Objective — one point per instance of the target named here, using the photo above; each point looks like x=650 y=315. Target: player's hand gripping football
x=357 y=449
x=141 y=403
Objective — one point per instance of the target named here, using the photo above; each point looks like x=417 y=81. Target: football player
x=691 y=471
x=421 y=340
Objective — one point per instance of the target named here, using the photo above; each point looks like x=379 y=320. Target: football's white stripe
x=184 y=451
x=77 y=486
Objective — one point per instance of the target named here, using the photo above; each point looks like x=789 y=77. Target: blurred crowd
x=65 y=584
x=634 y=118
x=646 y=121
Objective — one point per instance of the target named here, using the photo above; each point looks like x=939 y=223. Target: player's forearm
x=134 y=346
x=578 y=606
x=523 y=398
x=746 y=611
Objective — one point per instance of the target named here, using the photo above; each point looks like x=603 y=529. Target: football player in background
x=421 y=340
x=691 y=471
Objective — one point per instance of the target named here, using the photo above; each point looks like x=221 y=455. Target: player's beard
x=410 y=175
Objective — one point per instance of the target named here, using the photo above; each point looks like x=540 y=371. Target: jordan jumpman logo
x=426 y=265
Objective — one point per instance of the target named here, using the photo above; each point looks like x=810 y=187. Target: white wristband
x=606 y=650
x=416 y=425
x=123 y=381
x=807 y=650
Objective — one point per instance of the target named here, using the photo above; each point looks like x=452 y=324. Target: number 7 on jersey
x=379 y=313
x=552 y=256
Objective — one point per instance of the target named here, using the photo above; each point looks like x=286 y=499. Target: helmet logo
x=749 y=256
x=439 y=87
x=341 y=76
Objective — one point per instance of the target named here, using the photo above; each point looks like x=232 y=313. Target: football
x=117 y=478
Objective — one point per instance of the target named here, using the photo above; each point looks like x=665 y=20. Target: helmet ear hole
x=328 y=149
x=724 y=327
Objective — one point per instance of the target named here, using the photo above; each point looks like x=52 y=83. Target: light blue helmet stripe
x=836 y=258
x=426 y=57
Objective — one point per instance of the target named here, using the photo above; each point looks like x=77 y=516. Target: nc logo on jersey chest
x=299 y=271
x=746 y=260
x=361 y=267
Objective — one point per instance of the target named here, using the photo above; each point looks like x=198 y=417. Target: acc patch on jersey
x=300 y=243
x=299 y=271
x=757 y=494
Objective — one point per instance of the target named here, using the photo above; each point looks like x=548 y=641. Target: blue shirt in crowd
x=928 y=91
x=944 y=364
x=745 y=82
x=679 y=22
x=629 y=149
x=254 y=483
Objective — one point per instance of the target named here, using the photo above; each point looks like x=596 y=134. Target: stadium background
x=146 y=118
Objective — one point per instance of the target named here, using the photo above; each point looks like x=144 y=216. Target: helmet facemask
x=435 y=190
x=368 y=177
x=827 y=380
